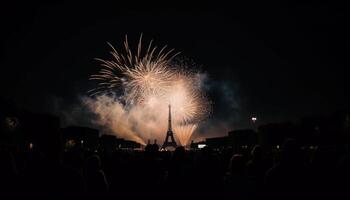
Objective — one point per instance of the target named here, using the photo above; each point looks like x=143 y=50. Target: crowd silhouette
x=290 y=172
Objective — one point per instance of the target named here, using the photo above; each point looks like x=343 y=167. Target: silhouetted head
x=151 y=150
x=155 y=147
x=179 y=152
x=237 y=164
x=93 y=162
x=257 y=152
x=148 y=147
x=290 y=150
x=207 y=151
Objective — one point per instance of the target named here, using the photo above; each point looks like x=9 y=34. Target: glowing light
x=69 y=144
x=184 y=133
x=142 y=85
x=11 y=123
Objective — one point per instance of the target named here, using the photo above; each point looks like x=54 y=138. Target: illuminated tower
x=169 y=134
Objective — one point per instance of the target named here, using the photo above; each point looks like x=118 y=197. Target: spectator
x=95 y=177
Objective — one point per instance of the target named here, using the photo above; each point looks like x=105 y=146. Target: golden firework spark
x=150 y=81
x=184 y=133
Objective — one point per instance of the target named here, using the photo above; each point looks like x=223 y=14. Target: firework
x=149 y=81
x=140 y=75
x=184 y=132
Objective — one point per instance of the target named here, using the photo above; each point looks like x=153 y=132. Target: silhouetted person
x=176 y=166
x=151 y=151
x=180 y=173
x=151 y=168
x=343 y=176
x=8 y=173
x=288 y=177
x=256 y=168
x=236 y=181
x=47 y=176
x=208 y=173
x=323 y=171
x=95 y=177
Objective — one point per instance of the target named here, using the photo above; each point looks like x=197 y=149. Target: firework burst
x=150 y=81
x=140 y=75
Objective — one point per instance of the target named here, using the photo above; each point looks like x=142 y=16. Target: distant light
x=278 y=146
x=69 y=144
x=30 y=145
x=82 y=141
x=254 y=119
x=11 y=123
x=200 y=146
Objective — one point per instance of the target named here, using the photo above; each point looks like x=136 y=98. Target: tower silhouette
x=169 y=134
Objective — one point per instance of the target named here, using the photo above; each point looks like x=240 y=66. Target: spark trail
x=149 y=81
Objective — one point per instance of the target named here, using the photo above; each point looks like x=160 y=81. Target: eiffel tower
x=169 y=134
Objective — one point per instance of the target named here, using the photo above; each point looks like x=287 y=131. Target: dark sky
x=278 y=61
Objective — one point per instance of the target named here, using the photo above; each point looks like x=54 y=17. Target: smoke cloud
x=141 y=123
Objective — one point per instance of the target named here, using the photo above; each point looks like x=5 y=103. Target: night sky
x=277 y=61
